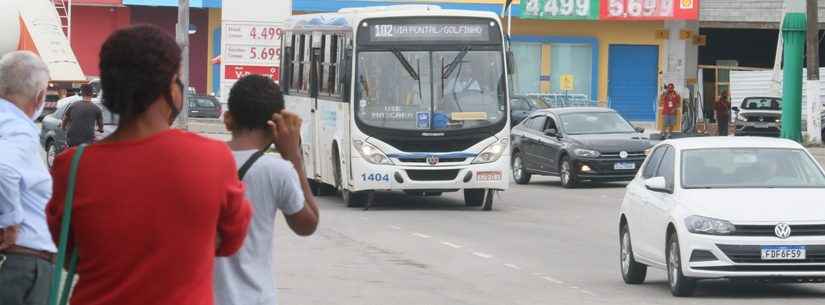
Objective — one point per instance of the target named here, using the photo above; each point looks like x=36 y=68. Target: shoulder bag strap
x=248 y=164
x=64 y=238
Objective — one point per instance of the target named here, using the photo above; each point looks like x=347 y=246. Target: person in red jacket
x=670 y=103
x=153 y=205
x=722 y=107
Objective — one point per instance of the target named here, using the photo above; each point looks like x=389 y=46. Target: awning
x=42 y=33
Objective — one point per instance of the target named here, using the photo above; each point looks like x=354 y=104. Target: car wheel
x=680 y=285
x=520 y=173
x=479 y=197
x=51 y=153
x=632 y=272
x=567 y=174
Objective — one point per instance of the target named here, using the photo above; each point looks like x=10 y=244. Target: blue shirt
x=25 y=182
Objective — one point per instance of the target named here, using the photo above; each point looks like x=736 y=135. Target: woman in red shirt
x=153 y=205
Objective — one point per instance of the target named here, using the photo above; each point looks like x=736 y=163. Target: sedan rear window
x=762 y=104
x=750 y=168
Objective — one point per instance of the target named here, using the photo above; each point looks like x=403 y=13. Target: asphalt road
x=540 y=245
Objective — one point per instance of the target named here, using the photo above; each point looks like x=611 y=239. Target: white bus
x=404 y=98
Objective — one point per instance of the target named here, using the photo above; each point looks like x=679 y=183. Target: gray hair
x=22 y=74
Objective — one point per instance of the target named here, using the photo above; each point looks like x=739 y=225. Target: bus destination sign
x=429 y=32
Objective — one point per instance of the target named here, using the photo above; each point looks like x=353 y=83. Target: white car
x=724 y=207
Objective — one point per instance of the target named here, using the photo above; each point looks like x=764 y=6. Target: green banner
x=560 y=9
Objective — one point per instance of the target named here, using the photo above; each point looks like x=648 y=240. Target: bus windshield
x=455 y=89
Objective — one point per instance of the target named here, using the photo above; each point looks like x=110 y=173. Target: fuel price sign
x=649 y=9
x=560 y=9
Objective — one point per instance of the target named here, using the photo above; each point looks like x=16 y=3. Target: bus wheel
x=479 y=197
x=354 y=199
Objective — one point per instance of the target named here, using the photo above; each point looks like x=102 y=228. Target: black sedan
x=577 y=144
x=521 y=106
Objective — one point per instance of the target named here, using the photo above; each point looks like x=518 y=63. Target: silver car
x=53 y=136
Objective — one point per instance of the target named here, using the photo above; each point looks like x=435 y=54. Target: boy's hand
x=286 y=134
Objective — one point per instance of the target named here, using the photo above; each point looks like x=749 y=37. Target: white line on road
x=552 y=280
x=395 y=227
x=511 y=266
x=416 y=234
x=451 y=245
x=482 y=255
x=587 y=292
x=574 y=287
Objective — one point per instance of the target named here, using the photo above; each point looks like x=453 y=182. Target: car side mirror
x=511 y=64
x=735 y=109
x=658 y=184
x=639 y=129
x=552 y=132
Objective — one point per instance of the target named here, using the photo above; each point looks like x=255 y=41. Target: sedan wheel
x=680 y=285
x=520 y=174
x=632 y=272
x=567 y=175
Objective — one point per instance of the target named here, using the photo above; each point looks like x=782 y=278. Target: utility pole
x=814 y=106
x=182 y=37
x=793 y=38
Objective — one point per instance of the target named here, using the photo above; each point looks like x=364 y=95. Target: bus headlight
x=371 y=153
x=493 y=152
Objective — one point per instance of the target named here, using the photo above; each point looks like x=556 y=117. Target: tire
x=354 y=199
x=51 y=152
x=680 y=285
x=520 y=174
x=567 y=174
x=320 y=189
x=479 y=198
x=633 y=273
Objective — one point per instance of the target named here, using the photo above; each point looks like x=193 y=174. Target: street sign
x=560 y=9
x=567 y=82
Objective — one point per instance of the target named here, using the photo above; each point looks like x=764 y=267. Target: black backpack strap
x=248 y=164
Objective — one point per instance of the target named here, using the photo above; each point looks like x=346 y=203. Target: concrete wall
x=605 y=32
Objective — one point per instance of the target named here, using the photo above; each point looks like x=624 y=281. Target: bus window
x=299 y=68
x=329 y=83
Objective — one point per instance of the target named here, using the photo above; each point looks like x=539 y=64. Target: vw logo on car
x=432 y=160
x=782 y=231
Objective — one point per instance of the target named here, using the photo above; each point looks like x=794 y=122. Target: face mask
x=175 y=111
x=38 y=112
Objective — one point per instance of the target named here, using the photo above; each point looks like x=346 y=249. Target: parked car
x=521 y=106
x=718 y=207
x=577 y=144
x=53 y=136
x=759 y=116
x=204 y=107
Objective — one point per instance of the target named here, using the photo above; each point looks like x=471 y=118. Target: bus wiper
x=409 y=68
x=453 y=64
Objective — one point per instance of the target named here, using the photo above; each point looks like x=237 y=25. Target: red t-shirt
x=670 y=103
x=146 y=216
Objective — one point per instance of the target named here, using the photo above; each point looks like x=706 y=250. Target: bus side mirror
x=313 y=74
x=511 y=64
x=346 y=79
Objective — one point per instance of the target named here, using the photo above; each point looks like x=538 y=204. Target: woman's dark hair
x=137 y=65
x=252 y=101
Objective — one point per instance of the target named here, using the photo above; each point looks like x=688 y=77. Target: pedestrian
x=26 y=248
x=256 y=120
x=670 y=103
x=153 y=205
x=81 y=118
x=722 y=107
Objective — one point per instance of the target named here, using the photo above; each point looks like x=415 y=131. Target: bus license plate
x=488 y=176
x=783 y=253
x=624 y=166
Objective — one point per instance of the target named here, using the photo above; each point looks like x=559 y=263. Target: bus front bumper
x=367 y=176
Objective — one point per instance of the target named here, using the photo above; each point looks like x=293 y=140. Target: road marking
x=587 y=292
x=552 y=280
x=511 y=266
x=416 y=234
x=574 y=287
x=395 y=227
x=451 y=245
x=482 y=255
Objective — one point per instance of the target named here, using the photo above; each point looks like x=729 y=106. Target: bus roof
x=348 y=18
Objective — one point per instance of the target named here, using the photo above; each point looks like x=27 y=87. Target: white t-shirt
x=247 y=277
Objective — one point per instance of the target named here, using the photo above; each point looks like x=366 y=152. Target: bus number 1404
x=377 y=177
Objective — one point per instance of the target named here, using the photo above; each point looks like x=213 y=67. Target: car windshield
x=538 y=103
x=762 y=104
x=424 y=90
x=750 y=168
x=594 y=123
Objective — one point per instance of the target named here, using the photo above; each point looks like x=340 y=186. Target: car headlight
x=740 y=117
x=371 y=153
x=493 y=152
x=707 y=225
x=586 y=153
x=648 y=151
